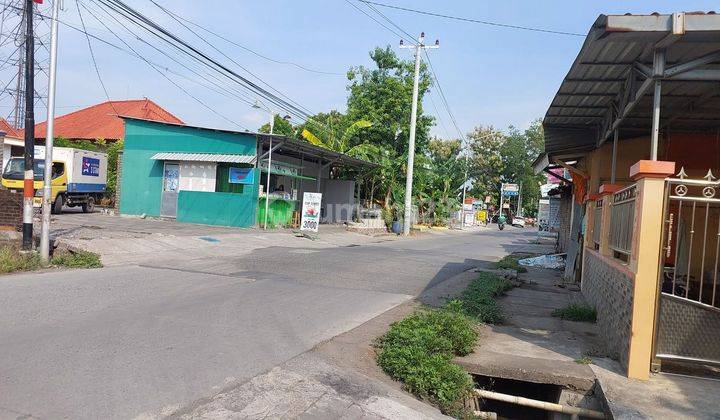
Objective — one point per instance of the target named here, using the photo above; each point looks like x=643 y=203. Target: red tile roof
x=101 y=121
x=9 y=130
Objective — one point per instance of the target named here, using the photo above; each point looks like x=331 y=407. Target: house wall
x=10 y=209
x=212 y=208
x=141 y=182
x=608 y=286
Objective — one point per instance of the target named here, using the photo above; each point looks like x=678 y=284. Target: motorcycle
x=501 y=222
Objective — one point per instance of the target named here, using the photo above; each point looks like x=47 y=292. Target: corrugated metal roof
x=584 y=100
x=204 y=157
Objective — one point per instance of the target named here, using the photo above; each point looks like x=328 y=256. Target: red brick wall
x=10 y=209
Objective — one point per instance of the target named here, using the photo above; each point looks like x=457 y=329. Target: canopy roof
x=614 y=69
x=301 y=148
x=204 y=157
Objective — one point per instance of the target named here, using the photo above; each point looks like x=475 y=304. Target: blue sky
x=490 y=75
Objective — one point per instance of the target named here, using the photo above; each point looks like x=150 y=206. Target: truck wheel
x=89 y=206
x=57 y=205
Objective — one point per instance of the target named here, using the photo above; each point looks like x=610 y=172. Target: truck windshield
x=16 y=167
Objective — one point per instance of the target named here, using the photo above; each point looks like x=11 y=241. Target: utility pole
x=29 y=187
x=49 y=138
x=413 y=123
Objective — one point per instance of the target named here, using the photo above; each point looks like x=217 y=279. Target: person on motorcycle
x=501 y=221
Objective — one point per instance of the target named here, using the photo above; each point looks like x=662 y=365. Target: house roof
x=9 y=130
x=286 y=146
x=617 y=58
x=102 y=121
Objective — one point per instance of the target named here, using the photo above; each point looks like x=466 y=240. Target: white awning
x=204 y=157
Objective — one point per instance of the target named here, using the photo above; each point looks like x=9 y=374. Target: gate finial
x=709 y=176
x=682 y=174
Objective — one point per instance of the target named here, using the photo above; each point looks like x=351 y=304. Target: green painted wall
x=141 y=183
x=213 y=208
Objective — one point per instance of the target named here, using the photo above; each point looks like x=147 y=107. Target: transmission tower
x=12 y=58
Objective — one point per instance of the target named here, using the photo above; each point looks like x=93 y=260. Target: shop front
x=229 y=178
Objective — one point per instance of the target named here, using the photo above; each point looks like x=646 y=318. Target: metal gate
x=687 y=326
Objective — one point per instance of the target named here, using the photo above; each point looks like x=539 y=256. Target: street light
x=261 y=106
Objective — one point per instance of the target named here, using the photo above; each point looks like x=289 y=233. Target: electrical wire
x=167 y=77
x=377 y=21
x=171 y=39
x=481 y=22
x=263 y=56
x=92 y=55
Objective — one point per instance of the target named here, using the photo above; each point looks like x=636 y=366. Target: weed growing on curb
x=479 y=299
x=79 y=259
x=419 y=349
x=510 y=262
x=11 y=260
x=576 y=312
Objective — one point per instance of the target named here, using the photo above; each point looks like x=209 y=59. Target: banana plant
x=363 y=150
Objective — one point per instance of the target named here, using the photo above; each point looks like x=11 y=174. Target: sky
x=490 y=75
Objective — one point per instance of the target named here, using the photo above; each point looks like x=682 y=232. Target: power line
x=377 y=21
x=387 y=19
x=444 y=98
x=174 y=41
x=92 y=55
x=166 y=76
x=481 y=22
x=263 y=56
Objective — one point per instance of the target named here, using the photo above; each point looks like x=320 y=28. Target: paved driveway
x=122 y=341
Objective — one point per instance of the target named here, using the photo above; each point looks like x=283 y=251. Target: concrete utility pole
x=29 y=187
x=49 y=138
x=413 y=123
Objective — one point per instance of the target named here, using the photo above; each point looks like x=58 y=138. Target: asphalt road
x=121 y=342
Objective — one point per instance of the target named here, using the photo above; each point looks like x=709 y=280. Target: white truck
x=79 y=177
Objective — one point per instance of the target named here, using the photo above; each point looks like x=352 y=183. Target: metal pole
x=502 y=188
x=520 y=209
x=614 y=156
x=49 y=138
x=658 y=70
x=462 y=207
x=29 y=187
x=267 y=188
x=411 y=143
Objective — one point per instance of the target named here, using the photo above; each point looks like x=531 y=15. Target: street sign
x=510 y=193
x=511 y=187
x=311 y=211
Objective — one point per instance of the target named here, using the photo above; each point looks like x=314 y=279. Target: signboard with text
x=310 y=219
x=90 y=166
x=241 y=175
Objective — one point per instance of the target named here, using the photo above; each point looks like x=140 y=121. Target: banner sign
x=311 y=211
x=90 y=166
x=241 y=175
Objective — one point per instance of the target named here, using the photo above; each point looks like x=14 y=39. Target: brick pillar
x=645 y=260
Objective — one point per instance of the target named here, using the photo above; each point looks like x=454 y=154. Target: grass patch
x=576 y=312
x=510 y=262
x=584 y=360
x=79 y=259
x=479 y=299
x=11 y=260
x=418 y=351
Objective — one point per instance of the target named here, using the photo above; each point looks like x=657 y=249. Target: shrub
x=418 y=351
x=11 y=259
x=80 y=259
x=479 y=299
x=580 y=312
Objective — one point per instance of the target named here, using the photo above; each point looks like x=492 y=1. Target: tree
x=486 y=164
x=383 y=96
x=281 y=127
x=518 y=152
x=341 y=144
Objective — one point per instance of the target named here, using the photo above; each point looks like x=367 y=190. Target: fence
x=622 y=222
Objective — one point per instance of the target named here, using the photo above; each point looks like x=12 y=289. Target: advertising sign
x=241 y=175
x=311 y=211
x=90 y=166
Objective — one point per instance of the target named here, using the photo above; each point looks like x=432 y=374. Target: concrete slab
x=664 y=396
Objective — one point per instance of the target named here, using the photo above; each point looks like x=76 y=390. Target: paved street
x=122 y=341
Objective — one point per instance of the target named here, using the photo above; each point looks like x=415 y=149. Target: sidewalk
x=535 y=347
x=131 y=240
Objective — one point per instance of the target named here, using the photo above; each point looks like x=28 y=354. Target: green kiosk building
x=219 y=177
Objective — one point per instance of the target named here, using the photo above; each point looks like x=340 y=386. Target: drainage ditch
x=501 y=398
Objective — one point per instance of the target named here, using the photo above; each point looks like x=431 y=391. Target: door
x=171 y=186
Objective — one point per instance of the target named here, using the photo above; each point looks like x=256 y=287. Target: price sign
x=311 y=211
